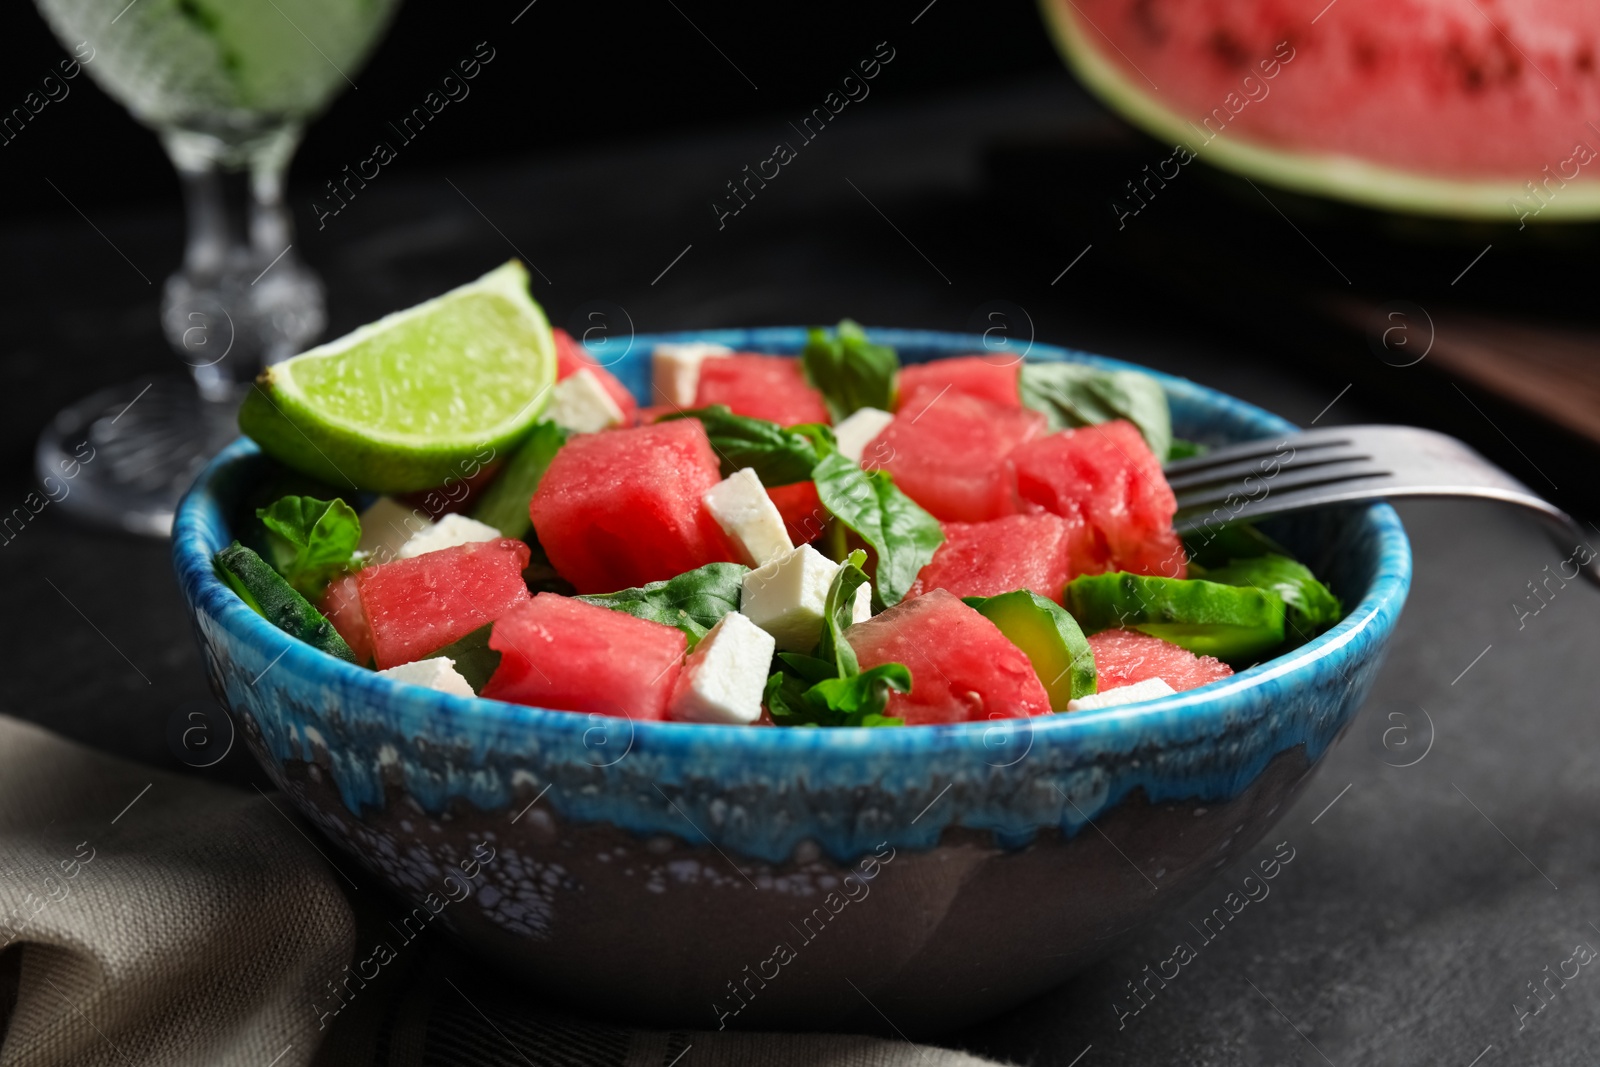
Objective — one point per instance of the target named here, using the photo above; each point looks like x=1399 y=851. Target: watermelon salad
x=826 y=540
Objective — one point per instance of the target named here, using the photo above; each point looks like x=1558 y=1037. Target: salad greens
x=779 y=456
x=310 y=541
x=504 y=504
x=903 y=535
x=850 y=371
x=1075 y=394
x=693 y=601
x=830 y=688
x=475 y=660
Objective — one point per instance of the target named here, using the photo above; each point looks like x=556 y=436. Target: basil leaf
x=310 y=540
x=837 y=612
x=504 y=504
x=474 y=659
x=858 y=700
x=903 y=535
x=778 y=456
x=1312 y=605
x=1074 y=394
x=850 y=371
x=693 y=601
x=1182 y=449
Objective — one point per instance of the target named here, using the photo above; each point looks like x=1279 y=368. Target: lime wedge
x=419 y=397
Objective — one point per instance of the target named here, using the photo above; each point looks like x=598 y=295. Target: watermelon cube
x=992 y=378
x=803 y=514
x=622 y=508
x=963 y=669
x=947 y=451
x=417 y=606
x=571 y=357
x=341 y=603
x=1040 y=552
x=561 y=653
x=761 y=387
x=1123 y=657
x=1107 y=476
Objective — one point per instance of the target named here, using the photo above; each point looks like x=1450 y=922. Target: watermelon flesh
x=341 y=603
x=1040 y=552
x=947 y=451
x=761 y=387
x=1426 y=105
x=416 y=606
x=623 y=508
x=561 y=653
x=962 y=667
x=572 y=357
x=803 y=514
x=1122 y=657
x=1107 y=477
x=992 y=378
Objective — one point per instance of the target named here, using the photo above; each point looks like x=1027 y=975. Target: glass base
x=121 y=458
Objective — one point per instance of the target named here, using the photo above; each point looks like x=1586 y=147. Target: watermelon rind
x=1322 y=174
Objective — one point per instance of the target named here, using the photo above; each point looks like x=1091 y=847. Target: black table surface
x=1445 y=855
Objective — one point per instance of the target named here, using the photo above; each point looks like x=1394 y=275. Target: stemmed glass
x=228 y=85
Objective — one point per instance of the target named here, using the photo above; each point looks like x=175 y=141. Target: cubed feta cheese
x=386 y=526
x=581 y=404
x=725 y=675
x=675 y=370
x=786 y=598
x=1148 y=689
x=748 y=516
x=437 y=673
x=448 y=532
x=858 y=429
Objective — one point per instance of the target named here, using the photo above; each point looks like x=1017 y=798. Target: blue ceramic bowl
x=706 y=876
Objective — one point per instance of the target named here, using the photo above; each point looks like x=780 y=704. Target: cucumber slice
x=271 y=596
x=475 y=660
x=1048 y=636
x=1312 y=607
x=1216 y=548
x=504 y=504
x=1232 y=623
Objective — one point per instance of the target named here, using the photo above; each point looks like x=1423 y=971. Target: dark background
x=971 y=178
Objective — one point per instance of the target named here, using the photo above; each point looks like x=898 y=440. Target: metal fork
x=1350 y=465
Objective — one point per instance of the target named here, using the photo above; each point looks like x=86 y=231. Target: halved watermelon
x=1039 y=552
x=564 y=654
x=962 y=667
x=417 y=606
x=1432 y=106
x=761 y=387
x=994 y=378
x=803 y=514
x=341 y=603
x=572 y=357
x=622 y=508
x=1122 y=657
x=1107 y=476
x=947 y=451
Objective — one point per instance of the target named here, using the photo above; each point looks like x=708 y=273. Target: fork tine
x=1261 y=447
x=1355 y=491
x=1266 y=467
x=1290 y=478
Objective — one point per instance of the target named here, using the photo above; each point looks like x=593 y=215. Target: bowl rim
x=1182 y=717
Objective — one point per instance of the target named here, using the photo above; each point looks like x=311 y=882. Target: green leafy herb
x=1210 y=547
x=1312 y=605
x=310 y=541
x=1182 y=449
x=693 y=601
x=1075 y=394
x=504 y=504
x=779 y=456
x=474 y=659
x=850 y=371
x=903 y=535
x=830 y=688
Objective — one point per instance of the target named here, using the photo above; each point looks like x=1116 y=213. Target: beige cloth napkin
x=148 y=918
